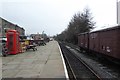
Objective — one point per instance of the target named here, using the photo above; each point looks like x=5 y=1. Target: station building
x=36 y=36
x=5 y=25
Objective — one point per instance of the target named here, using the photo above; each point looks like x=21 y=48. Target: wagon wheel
x=33 y=49
x=4 y=52
x=4 y=55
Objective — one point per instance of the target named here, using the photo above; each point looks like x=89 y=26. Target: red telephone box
x=13 y=43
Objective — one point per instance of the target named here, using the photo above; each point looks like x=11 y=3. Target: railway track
x=107 y=65
x=77 y=68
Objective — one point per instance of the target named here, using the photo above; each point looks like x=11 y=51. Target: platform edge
x=65 y=69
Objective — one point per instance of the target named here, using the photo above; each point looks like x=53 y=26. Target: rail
x=77 y=68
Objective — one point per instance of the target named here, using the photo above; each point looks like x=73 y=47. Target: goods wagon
x=106 y=42
x=94 y=41
x=86 y=41
x=109 y=42
x=83 y=41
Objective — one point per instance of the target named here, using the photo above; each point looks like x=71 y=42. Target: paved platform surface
x=46 y=62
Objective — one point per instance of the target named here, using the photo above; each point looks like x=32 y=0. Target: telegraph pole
x=117 y=9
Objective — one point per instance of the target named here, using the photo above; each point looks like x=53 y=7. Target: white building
x=118 y=14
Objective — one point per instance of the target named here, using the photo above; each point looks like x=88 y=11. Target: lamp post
x=43 y=34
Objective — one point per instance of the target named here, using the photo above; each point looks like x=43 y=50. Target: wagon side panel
x=109 y=43
x=94 y=41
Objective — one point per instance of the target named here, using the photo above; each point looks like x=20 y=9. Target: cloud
x=53 y=16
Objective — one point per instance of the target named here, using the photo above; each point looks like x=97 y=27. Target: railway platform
x=46 y=62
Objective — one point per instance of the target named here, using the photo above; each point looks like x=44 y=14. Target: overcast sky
x=53 y=16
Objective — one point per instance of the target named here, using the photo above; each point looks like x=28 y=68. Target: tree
x=81 y=22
